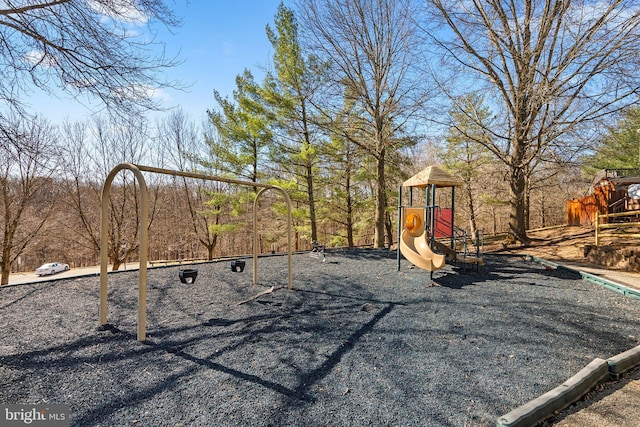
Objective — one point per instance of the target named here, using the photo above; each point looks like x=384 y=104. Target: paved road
x=22 y=278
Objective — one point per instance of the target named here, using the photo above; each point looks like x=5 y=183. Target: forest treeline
x=522 y=102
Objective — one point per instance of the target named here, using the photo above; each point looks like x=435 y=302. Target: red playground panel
x=443 y=224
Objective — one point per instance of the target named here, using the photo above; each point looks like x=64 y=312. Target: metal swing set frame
x=144 y=233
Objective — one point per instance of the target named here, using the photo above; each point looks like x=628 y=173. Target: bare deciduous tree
x=83 y=47
x=466 y=158
x=186 y=150
x=552 y=68
x=81 y=185
x=114 y=144
x=371 y=46
x=27 y=194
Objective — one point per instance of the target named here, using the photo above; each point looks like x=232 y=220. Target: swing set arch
x=144 y=233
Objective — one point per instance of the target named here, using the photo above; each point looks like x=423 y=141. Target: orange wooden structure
x=613 y=191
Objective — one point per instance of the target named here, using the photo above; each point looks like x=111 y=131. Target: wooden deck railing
x=616 y=229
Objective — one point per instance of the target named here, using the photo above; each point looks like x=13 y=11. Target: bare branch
x=84 y=48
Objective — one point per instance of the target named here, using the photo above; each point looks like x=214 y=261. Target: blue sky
x=217 y=41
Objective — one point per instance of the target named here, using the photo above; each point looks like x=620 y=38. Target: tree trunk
x=308 y=169
x=6 y=265
x=211 y=246
x=543 y=215
x=312 y=204
x=517 y=218
x=8 y=240
x=472 y=209
x=494 y=220
x=527 y=202
x=349 y=218
x=381 y=201
x=6 y=271
x=389 y=228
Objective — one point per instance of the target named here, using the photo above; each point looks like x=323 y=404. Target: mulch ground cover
x=355 y=343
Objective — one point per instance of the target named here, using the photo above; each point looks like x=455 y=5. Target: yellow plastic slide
x=418 y=252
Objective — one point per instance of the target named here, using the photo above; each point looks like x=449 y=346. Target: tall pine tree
x=288 y=90
x=620 y=146
x=244 y=127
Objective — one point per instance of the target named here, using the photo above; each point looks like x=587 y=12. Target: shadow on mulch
x=355 y=343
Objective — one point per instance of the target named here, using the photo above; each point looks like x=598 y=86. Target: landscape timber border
x=144 y=233
x=573 y=389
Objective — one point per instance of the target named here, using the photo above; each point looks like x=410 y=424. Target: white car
x=51 y=268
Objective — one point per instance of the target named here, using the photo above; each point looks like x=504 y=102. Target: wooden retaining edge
x=573 y=389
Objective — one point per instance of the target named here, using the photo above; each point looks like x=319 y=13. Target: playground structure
x=414 y=242
x=420 y=226
x=144 y=234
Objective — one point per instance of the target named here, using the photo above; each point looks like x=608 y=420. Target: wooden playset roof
x=432 y=175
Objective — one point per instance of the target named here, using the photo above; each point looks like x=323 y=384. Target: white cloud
x=161 y=95
x=119 y=10
x=139 y=91
x=38 y=57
